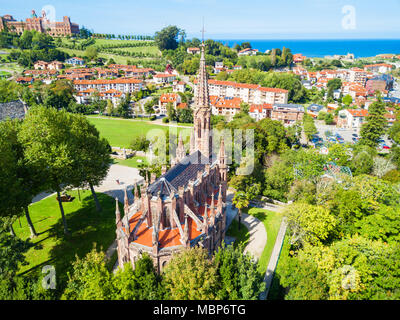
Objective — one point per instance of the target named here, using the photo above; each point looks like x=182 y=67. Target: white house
x=352 y=118
x=75 y=61
x=162 y=78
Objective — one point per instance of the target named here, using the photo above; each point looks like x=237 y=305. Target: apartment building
x=248 y=93
x=287 y=113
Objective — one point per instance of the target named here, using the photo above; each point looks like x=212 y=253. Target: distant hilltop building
x=40 y=24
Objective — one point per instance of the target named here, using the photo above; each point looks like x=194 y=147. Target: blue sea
x=319 y=48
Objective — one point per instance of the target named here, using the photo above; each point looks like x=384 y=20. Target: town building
x=75 y=61
x=248 y=52
x=249 y=93
x=352 y=118
x=102 y=85
x=287 y=113
x=164 y=78
x=226 y=106
x=357 y=75
x=178 y=86
x=193 y=50
x=173 y=98
x=41 y=24
x=260 y=111
x=298 y=58
x=379 y=68
x=183 y=208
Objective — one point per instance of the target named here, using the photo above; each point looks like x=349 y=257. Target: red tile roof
x=358 y=112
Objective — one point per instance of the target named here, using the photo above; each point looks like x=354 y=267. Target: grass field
x=277 y=292
x=132 y=162
x=121 y=132
x=242 y=236
x=272 y=221
x=52 y=247
x=117 y=58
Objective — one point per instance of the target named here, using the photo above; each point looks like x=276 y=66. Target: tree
x=123 y=108
x=240 y=200
x=191 y=275
x=238 y=274
x=45 y=134
x=91 y=53
x=10 y=185
x=91 y=157
x=347 y=99
x=166 y=39
x=90 y=278
x=140 y=143
x=309 y=223
x=375 y=124
x=309 y=126
x=142 y=283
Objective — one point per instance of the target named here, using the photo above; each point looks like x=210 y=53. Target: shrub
x=152 y=118
x=165 y=120
x=392 y=176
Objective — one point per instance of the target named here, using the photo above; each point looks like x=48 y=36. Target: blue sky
x=226 y=19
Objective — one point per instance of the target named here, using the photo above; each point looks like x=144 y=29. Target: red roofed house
x=379 y=68
x=162 y=78
x=260 y=111
x=186 y=206
x=166 y=98
x=23 y=80
x=226 y=106
x=298 y=58
x=40 y=65
x=193 y=50
x=179 y=86
x=248 y=52
x=352 y=118
x=249 y=93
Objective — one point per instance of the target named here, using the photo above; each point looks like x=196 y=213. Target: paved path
x=269 y=275
x=127 y=178
x=258 y=235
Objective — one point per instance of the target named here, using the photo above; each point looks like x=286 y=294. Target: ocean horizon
x=319 y=48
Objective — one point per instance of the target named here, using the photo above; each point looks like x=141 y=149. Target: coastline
x=319 y=48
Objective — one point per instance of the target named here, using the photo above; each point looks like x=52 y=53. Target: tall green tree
x=238 y=274
x=166 y=39
x=91 y=157
x=45 y=133
x=375 y=124
x=191 y=275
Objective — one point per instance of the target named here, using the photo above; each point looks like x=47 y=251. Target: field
x=121 y=132
x=119 y=59
x=52 y=247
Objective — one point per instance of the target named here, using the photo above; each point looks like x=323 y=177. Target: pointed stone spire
x=136 y=192
x=155 y=235
x=117 y=212
x=219 y=205
x=186 y=232
x=126 y=202
x=203 y=98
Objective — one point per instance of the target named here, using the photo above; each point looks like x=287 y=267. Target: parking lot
x=343 y=135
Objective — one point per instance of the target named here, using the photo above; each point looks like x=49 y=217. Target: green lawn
x=277 y=292
x=242 y=236
x=132 y=162
x=121 y=132
x=272 y=222
x=52 y=247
